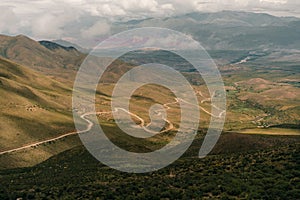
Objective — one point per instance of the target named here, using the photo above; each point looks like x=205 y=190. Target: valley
x=256 y=156
x=249 y=110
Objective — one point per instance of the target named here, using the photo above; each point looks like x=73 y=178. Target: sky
x=75 y=20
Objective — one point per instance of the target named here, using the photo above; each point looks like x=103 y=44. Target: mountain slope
x=59 y=62
x=69 y=44
x=33 y=106
x=271 y=173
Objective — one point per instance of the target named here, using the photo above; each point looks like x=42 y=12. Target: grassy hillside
x=33 y=106
x=262 y=96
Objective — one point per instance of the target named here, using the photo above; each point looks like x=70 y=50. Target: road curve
x=89 y=127
x=90 y=124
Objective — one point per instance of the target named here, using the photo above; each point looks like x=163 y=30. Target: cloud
x=275 y=1
x=98 y=29
x=139 y=6
x=47 y=26
x=81 y=19
x=9 y=20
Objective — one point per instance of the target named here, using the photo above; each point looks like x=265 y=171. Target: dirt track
x=91 y=124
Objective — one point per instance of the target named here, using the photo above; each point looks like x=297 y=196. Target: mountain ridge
x=46 y=57
x=230 y=30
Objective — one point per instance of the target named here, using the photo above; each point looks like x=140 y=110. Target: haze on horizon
x=85 y=20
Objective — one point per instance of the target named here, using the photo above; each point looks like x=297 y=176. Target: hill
x=269 y=173
x=70 y=44
x=46 y=57
x=53 y=46
x=34 y=108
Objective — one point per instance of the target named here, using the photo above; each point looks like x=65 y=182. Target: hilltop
x=46 y=57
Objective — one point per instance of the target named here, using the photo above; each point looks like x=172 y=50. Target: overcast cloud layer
x=75 y=19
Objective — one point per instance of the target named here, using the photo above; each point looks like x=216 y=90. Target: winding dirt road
x=89 y=127
x=90 y=124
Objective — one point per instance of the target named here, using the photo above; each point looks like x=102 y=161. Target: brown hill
x=47 y=57
x=33 y=107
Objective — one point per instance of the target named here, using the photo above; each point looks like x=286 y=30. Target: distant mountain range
x=54 y=46
x=229 y=36
x=230 y=30
x=222 y=31
x=70 y=44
